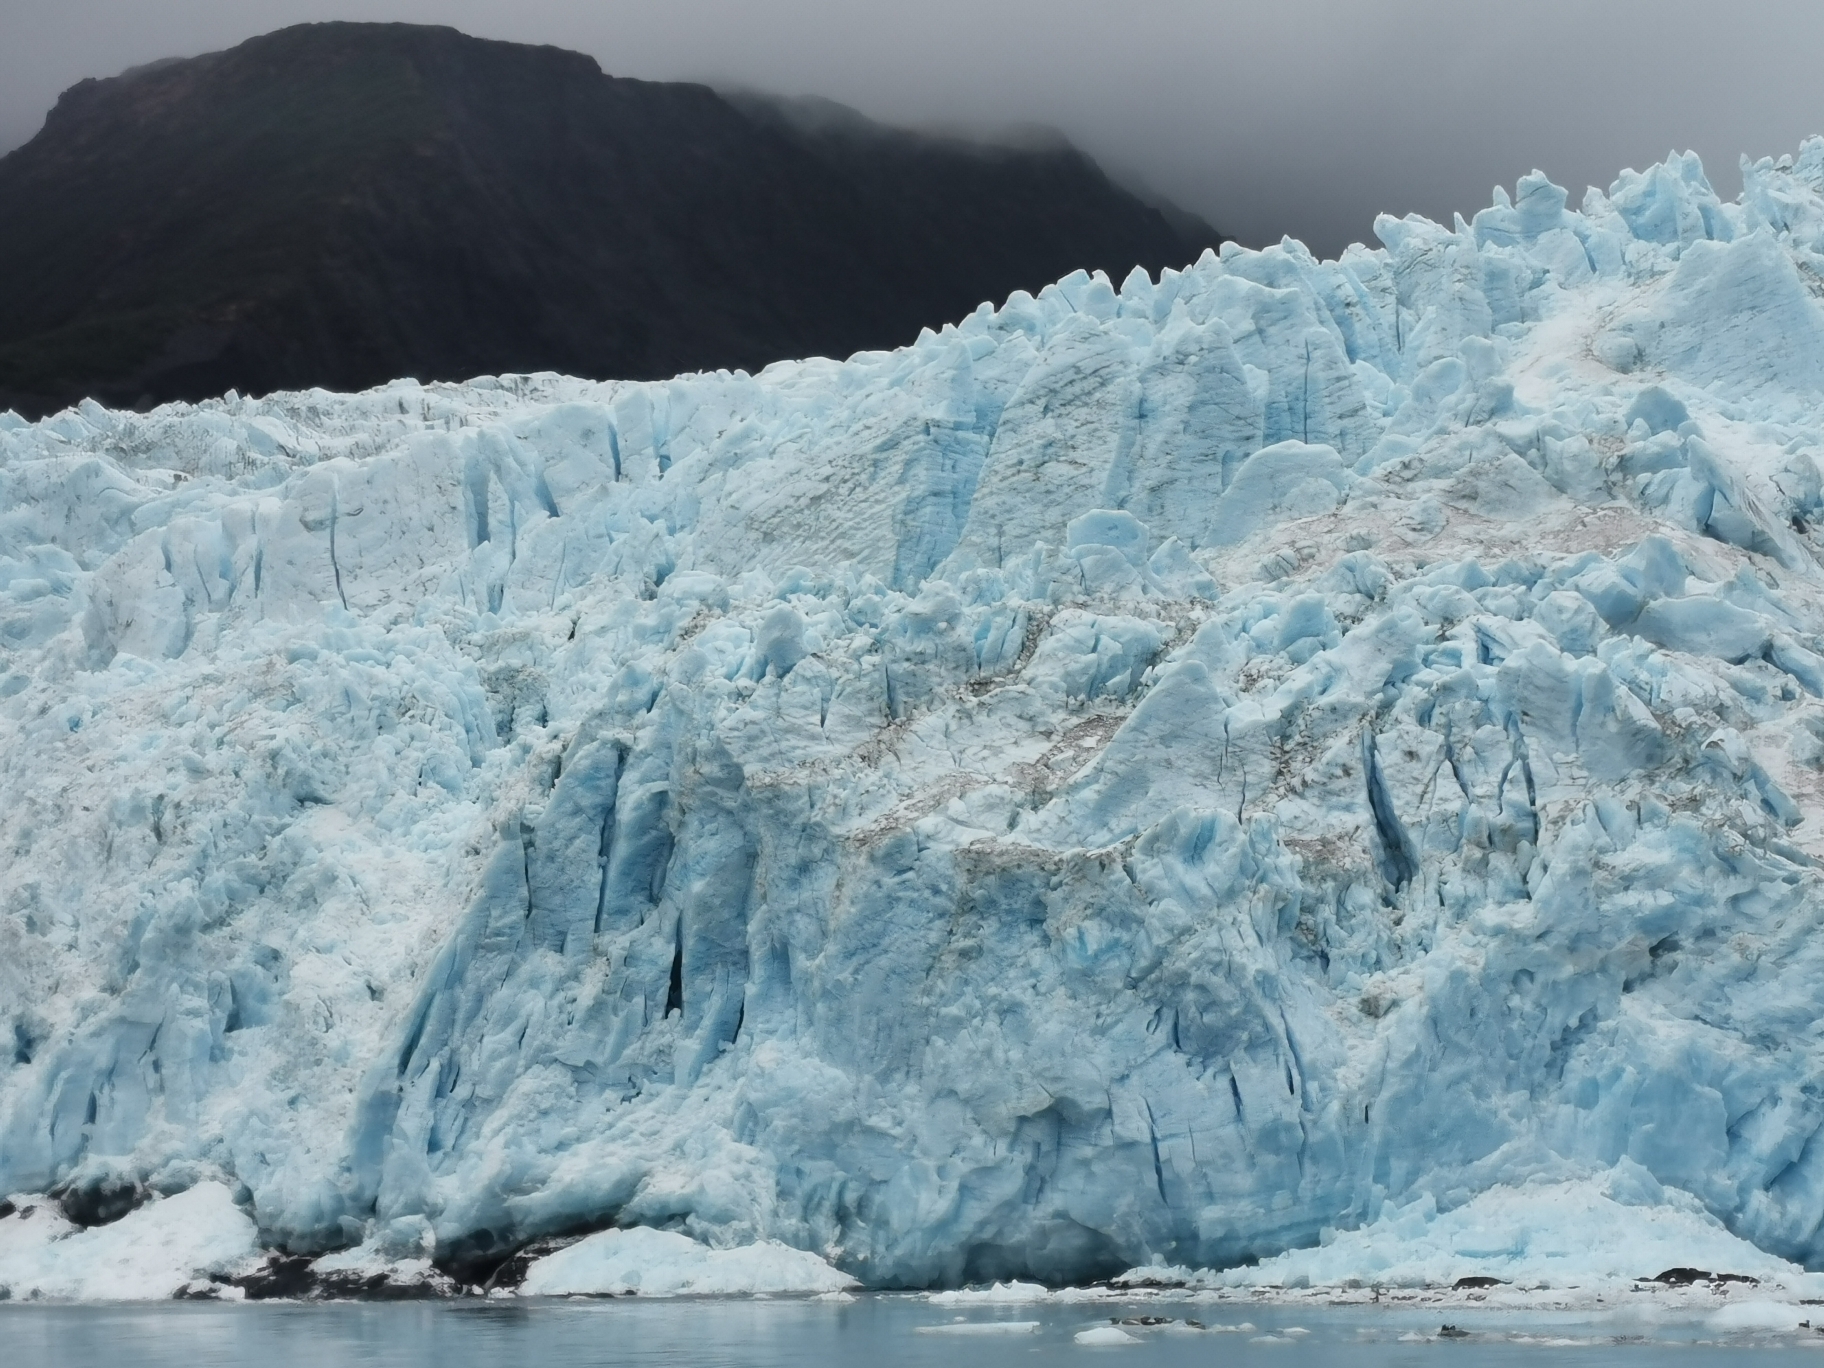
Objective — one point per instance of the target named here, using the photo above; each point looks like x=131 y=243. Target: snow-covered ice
x=147 y=1255
x=1152 y=774
x=659 y=1263
x=1537 y=1235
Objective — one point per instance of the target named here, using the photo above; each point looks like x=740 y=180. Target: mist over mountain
x=340 y=204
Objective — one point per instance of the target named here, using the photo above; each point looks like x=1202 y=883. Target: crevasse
x=1144 y=774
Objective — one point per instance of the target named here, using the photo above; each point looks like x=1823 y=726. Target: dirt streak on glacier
x=1143 y=775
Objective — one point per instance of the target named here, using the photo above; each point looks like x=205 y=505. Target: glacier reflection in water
x=881 y=1331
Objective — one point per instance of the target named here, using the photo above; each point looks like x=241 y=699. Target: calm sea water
x=879 y=1331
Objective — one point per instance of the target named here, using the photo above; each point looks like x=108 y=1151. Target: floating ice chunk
x=659 y=1263
x=982 y=1328
x=1760 y=1314
x=146 y=1255
x=1007 y=1293
x=1104 y=1336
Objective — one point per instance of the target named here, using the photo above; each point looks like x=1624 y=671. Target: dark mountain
x=340 y=204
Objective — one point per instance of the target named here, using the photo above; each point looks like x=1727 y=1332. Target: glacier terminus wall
x=1149 y=773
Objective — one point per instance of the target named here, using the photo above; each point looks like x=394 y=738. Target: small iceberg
x=1104 y=1336
x=982 y=1328
x=661 y=1263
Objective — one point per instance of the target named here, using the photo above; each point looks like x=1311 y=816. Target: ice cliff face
x=1148 y=773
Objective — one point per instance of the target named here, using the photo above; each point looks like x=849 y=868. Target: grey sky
x=1275 y=116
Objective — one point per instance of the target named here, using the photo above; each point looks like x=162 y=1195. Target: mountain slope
x=340 y=204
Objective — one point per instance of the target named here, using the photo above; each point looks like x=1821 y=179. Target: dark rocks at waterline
x=291 y=1277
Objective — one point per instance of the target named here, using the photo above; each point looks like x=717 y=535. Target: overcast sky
x=1269 y=117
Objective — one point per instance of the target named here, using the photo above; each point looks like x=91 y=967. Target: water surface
x=876 y=1331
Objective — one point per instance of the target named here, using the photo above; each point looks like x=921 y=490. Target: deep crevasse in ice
x=1147 y=774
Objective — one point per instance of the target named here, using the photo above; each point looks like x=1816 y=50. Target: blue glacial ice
x=1149 y=774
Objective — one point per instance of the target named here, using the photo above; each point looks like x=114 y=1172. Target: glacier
x=1151 y=774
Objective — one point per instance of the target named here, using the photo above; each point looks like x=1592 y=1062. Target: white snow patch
x=660 y=1263
x=147 y=1255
